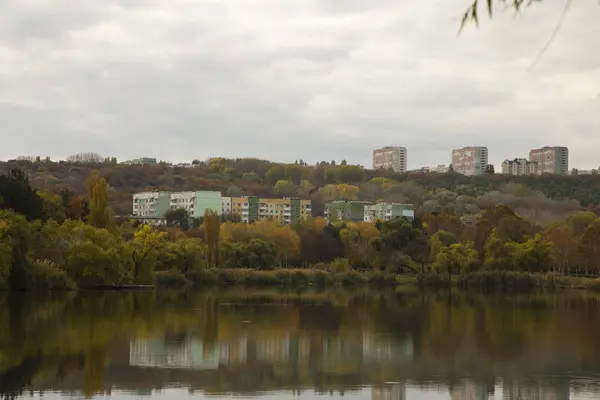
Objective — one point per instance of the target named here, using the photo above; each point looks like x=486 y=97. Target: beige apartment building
x=284 y=210
x=470 y=161
x=551 y=160
x=519 y=166
x=393 y=157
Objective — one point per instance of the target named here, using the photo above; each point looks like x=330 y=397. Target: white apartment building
x=157 y=204
x=519 y=166
x=440 y=169
x=387 y=211
x=151 y=204
x=584 y=172
x=470 y=161
x=226 y=205
x=393 y=157
x=185 y=200
x=551 y=160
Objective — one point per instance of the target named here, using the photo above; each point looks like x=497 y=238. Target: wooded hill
x=542 y=198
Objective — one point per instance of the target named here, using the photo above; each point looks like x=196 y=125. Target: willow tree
x=472 y=13
x=212 y=229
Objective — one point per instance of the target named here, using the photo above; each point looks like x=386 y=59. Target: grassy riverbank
x=298 y=278
x=293 y=277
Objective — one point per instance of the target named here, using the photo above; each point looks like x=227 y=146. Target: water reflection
x=268 y=344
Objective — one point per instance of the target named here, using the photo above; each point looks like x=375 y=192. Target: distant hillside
x=539 y=197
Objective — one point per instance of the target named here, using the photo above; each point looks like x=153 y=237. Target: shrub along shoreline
x=302 y=277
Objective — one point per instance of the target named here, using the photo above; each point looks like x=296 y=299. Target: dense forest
x=62 y=239
x=541 y=198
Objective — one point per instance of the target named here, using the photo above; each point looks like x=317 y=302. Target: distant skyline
x=301 y=79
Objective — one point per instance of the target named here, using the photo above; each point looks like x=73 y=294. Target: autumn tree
x=15 y=239
x=144 y=250
x=275 y=174
x=456 y=258
x=285 y=188
x=100 y=213
x=52 y=205
x=212 y=228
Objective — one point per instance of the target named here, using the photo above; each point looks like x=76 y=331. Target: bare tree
x=85 y=158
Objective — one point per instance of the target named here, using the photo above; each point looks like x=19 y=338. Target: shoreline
x=305 y=278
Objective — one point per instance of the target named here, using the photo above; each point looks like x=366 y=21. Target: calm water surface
x=316 y=345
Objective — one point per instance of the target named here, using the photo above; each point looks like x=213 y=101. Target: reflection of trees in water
x=338 y=342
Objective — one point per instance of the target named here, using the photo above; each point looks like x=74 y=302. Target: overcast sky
x=295 y=79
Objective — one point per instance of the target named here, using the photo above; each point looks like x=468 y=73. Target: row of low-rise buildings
x=546 y=160
x=155 y=205
x=357 y=211
x=473 y=161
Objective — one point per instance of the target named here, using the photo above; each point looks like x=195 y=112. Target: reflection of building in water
x=188 y=354
x=470 y=391
x=386 y=348
x=275 y=350
x=395 y=391
x=342 y=352
x=303 y=349
x=516 y=391
x=233 y=352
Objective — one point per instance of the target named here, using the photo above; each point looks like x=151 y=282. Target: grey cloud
x=310 y=79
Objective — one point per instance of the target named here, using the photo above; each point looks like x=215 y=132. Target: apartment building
x=156 y=204
x=346 y=210
x=551 y=160
x=388 y=211
x=286 y=210
x=393 y=157
x=470 y=161
x=197 y=202
x=578 y=172
x=226 y=206
x=151 y=204
x=519 y=166
x=141 y=161
x=440 y=169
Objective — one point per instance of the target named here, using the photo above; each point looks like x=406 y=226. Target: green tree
x=15 y=237
x=398 y=236
x=251 y=177
x=285 y=188
x=456 y=258
x=100 y=213
x=178 y=217
x=212 y=231
x=253 y=253
x=52 y=205
x=275 y=174
x=18 y=196
x=143 y=251
x=438 y=241
x=293 y=173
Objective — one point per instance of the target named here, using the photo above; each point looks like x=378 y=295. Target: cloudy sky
x=295 y=79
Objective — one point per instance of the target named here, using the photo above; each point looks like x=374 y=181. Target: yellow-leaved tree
x=100 y=212
x=143 y=251
x=212 y=231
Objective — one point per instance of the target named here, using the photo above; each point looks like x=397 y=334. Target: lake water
x=265 y=344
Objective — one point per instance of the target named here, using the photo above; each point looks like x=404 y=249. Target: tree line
x=542 y=198
x=61 y=240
